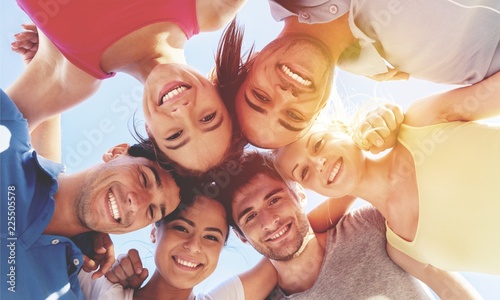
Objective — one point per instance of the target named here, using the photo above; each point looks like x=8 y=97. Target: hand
x=26 y=43
x=392 y=74
x=104 y=256
x=379 y=130
x=128 y=270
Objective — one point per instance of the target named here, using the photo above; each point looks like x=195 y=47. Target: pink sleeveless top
x=83 y=29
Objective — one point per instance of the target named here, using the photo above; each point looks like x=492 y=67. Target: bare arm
x=447 y=285
x=46 y=139
x=213 y=15
x=49 y=85
x=327 y=214
x=259 y=281
x=469 y=103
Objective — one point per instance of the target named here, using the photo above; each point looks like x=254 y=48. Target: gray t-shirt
x=356 y=264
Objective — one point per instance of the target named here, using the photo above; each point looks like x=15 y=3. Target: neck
x=139 y=52
x=377 y=184
x=64 y=221
x=158 y=288
x=336 y=35
x=299 y=273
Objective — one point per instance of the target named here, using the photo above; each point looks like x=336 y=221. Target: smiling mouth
x=279 y=234
x=296 y=77
x=335 y=171
x=113 y=207
x=186 y=263
x=170 y=94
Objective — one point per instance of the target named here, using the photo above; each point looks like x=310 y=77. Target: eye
x=274 y=200
x=208 y=118
x=304 y=172
x=294 y=116
x=180 y=228
x=175 y=135
x=151 y=212
x=260 y=97
x=144 y=180
x=250 y=217
x=318 y=145
x=212 y=238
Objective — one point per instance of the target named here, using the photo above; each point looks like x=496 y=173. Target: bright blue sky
x=87 y=135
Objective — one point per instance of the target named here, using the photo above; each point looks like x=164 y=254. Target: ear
x=148 y=131
x=152 y=235
x=116 y=151
x=212 y=76
x=299 y=190
x=241 y=237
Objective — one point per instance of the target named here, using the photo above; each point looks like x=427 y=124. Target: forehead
x=206 y=212
x=256 y=189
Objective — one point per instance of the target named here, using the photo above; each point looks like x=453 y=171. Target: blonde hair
x=348 y=114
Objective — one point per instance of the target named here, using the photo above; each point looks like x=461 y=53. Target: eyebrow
x=187 y=140
x=290 y=127
x=192 y=224
x=255 y=107
x=264 y=112
x=156 y=175
x=267 y=196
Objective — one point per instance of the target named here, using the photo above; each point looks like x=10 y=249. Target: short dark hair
x=251 y=164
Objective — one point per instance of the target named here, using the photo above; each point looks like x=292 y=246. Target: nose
x=137 y=201
x=288 y=89
x=192 y=244
x=183 y=107
x=320 y=163
x=269 y=220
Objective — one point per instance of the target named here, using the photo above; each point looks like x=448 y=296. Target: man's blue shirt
x=33 y=265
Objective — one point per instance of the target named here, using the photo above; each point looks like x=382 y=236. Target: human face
x=186 y=116
x=125 y=194
x=287 y=86
x=271 y=217
x=189 y=246
x=327 y=162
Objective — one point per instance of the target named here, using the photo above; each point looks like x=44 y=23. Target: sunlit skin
x=271 y=217
x=286 y=87
x=189 y=246
x=140 y=190
x=328 y=162
x=186 y=116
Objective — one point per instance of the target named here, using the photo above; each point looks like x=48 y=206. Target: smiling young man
x=349 y=261
x=42 y=208
x=379 y=39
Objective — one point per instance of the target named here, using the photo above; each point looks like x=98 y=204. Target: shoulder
x=365 y=217
x=102 y=288
x=231 y=288
x=215 y=14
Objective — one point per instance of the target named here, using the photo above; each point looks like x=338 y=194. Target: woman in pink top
x=81 y=43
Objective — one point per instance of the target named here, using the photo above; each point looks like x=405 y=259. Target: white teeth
x=113 y=207
x=295 y=77
x=279 y=233
x=173 y=92
x=186 y=263
x=335 y=170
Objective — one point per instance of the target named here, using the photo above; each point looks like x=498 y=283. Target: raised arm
x=259 y=281
x=469 y=103
x=328 y=213
x=215 y=14
x=50 y=85
x=447 y=285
